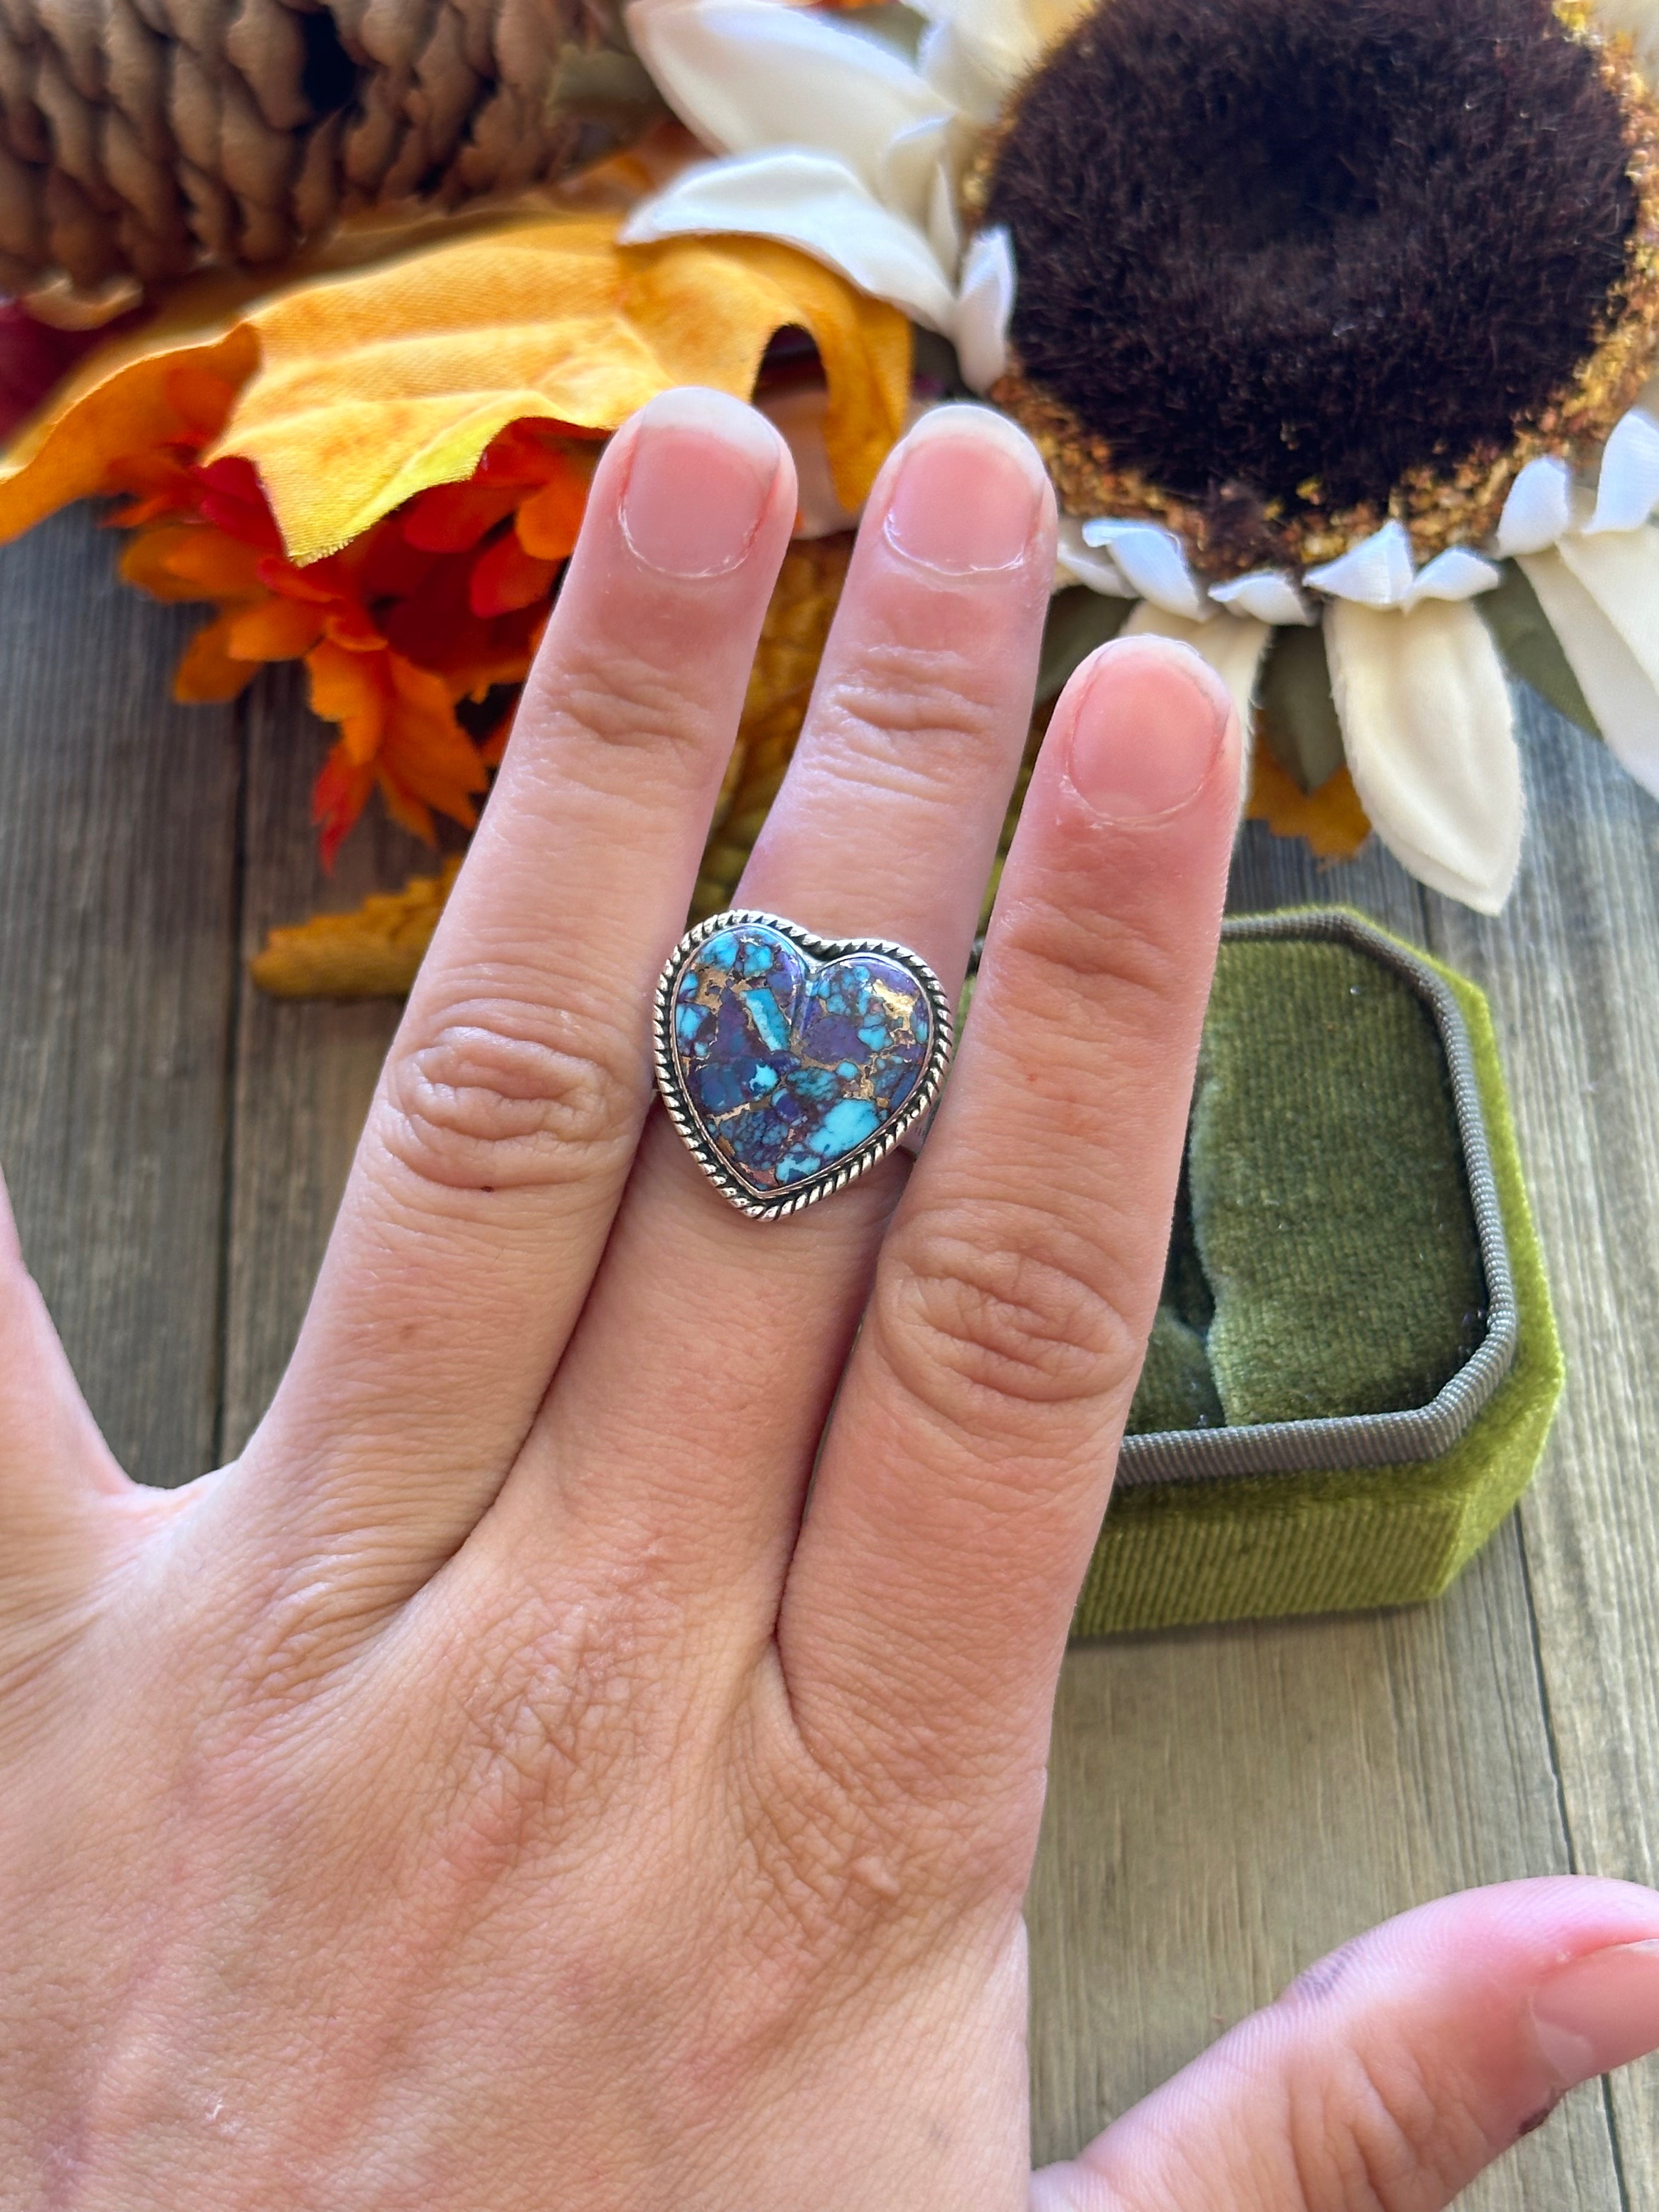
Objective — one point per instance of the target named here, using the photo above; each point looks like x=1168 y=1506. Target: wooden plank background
x=1224 y=1804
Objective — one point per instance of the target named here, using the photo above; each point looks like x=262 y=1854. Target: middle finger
x=887 y=824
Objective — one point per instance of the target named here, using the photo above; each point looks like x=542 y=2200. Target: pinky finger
x=1397 y=2069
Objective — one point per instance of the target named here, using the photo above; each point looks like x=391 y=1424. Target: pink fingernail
x=969 y=492
x=1148 y=729
x=699 y=479
x=1599 y=2012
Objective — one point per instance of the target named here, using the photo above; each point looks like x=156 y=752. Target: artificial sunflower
x=1336 y=321
x=1337 y=315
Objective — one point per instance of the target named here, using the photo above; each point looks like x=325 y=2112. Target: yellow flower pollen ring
x=792 y=1064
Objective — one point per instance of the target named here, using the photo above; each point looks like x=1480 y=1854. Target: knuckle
x=987 y=1309
x=896 y=695
x=1376 y=2132
x=490 y=1101
x=1070 y=951
x=628 y=701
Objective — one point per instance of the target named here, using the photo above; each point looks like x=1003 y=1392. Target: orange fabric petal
x=549 y=521
x=350 y=689
x=208 y=672
x=453 y=518
x=406 y=811
x=184 y=561
x=505 y=577
x=1331 y=820
x=274 y=629
x=493 y=750
x=338 y=797
x=389 y=568
x=351 y=626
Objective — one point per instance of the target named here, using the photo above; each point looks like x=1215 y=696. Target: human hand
x=498 y=1791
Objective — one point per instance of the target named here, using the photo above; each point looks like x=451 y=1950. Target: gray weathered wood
x=118 y=888
x=305 y=1072
x=1573 y=971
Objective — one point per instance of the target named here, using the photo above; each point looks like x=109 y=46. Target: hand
x=500 y=1790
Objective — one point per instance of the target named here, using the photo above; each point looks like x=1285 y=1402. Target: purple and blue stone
x=791 y=1065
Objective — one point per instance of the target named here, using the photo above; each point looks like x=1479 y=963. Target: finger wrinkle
x=622 y=701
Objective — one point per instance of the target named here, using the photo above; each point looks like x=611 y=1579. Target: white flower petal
x=1154 y=562
x=1538 y=508
x=1075 y=562
x=1429 y=732
x=1620 y=572
x=1628 y=491
x=1623 y=697
x=944 y=224
x=1456 y=574
x=975 y=52
x=985 y=301
x=1376 y=572
x=750 y=74
x=809 y=200
x=1008 y=37
x=1269 y=596
x=1235 y=650
x=911 y=167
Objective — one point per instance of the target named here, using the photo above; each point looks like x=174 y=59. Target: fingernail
x=699 y=479
x=1599 y=2012
x=969 y=492
x=1148 y=729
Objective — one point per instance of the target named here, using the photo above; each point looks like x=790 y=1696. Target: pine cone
x=141 y=138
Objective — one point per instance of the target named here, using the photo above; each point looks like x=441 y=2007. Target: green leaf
x=1079 y=619
x=1522 y=634
x=1296 y=717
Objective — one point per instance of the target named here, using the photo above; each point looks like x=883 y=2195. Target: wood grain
x=117 y=893
x=1572 y=968
x=305 y=1072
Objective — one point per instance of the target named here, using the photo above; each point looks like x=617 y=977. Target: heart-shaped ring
x=791 y=1063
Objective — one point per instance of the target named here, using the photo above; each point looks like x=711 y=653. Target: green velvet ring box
x=1355 y=1364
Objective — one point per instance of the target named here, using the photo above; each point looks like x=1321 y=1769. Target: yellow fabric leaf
x=711 y=306
x=357 y=390
x=372 y=387
x=372 y=953
x=129 y=396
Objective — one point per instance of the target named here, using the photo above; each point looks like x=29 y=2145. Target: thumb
x=1392 y=2073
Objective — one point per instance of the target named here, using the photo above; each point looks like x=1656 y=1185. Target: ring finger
x=886 y=826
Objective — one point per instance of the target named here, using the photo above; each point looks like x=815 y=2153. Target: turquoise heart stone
x=793 y=1063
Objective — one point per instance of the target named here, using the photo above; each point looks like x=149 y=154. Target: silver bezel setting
x=822 y=951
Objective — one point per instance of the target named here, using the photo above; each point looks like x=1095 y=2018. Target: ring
x=791 y=1064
